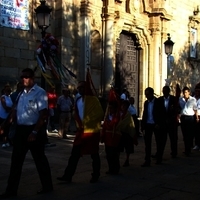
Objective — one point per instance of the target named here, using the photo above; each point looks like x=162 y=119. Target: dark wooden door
x=127 y=66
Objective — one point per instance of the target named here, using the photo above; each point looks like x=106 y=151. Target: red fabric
x=109 y=136
x=113 y=96
x=52 y=100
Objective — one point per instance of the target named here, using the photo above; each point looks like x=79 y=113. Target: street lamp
x=43 y=19
x=43 y=16
x=168 y=50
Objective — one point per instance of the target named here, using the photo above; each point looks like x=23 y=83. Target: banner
x=14 y=14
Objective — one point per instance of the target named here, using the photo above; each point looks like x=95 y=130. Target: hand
x=1 y=131
x=157 y=126
x=32 y=137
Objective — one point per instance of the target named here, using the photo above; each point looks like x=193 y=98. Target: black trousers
x=149 y=130
x=197 y=133
x=188 y=129
x=73 y=162
x=161 y=139
x=112 y=156
x=20 y=149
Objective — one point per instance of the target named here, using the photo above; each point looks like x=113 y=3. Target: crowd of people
x=32 y=109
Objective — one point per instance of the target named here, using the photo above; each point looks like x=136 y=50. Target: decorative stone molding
x=193 y=35
x=85 y=8
x=95 y=22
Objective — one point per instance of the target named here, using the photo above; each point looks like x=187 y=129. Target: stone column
x=84 y=38
x=108 y=22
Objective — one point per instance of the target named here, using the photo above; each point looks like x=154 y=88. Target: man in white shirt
x=133 y=112
x=188 y=116
x=31 y=115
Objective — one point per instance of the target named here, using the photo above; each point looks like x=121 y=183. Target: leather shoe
x=158 y=163
x=93 y=180
x=63 y=178
x=154 y=156
x=112 y=173
x=7 y=195
x=126 y=163
x=43 y=191
x=146 y=164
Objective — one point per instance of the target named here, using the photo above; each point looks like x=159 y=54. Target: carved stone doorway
x=127 y=65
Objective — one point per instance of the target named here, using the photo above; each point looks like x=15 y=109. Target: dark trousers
x=51 y=122
x=149 y=130
x=188 y=128
x=112 y=156
x=197 y=133
x=52 y=118
x=73 y=162
x=173 y=136
x=161 y=139
x=20 y=148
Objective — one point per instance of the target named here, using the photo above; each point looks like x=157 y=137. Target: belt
x=65 y=111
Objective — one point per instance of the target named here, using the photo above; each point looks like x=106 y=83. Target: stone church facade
x=121 y=41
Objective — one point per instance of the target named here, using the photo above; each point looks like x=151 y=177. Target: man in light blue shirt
x=148 y=123
x=31 y=115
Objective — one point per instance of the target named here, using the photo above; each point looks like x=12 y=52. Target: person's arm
x=40 y=122
x=3 y=103
x=196 y=113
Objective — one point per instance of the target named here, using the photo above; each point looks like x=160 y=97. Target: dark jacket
x=145 y=113
x=169 y=115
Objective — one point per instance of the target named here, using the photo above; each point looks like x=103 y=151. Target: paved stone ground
x=175 y=179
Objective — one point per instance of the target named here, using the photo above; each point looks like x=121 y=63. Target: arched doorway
x=127 y=65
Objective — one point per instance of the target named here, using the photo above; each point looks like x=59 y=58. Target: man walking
x=149 y=123
x=88 y=115
x=167 y=123
x=64 y=106
x=188 y=116
x=31 y=114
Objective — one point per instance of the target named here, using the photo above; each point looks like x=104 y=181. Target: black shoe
x=146 y=164
x=126 y=164
x=186 y=154
x=7 y=195
x=158 y=163
x=154 y=156
x=93 y=180
x=174 y=156
x=112 y=173
x=63 y=178
x=43 y=191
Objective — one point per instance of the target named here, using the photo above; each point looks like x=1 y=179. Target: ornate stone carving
x=95 y=21
x=134 y=6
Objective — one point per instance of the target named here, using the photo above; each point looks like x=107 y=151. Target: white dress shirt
x=188 y=107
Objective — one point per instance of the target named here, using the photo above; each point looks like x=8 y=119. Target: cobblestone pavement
x=175 y=179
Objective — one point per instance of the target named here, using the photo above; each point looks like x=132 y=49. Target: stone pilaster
x=85 y=39
x=108 y=13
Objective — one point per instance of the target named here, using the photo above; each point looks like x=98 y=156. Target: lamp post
x=43 y=20
x=168 y=50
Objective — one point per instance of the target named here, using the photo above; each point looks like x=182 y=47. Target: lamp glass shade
x=168 y=46
x=43 y=20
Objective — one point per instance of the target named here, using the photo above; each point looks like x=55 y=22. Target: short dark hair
x=126 y=103
x=30 y=71
x=150 y=89
x=166 y=87
x=186 y=88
